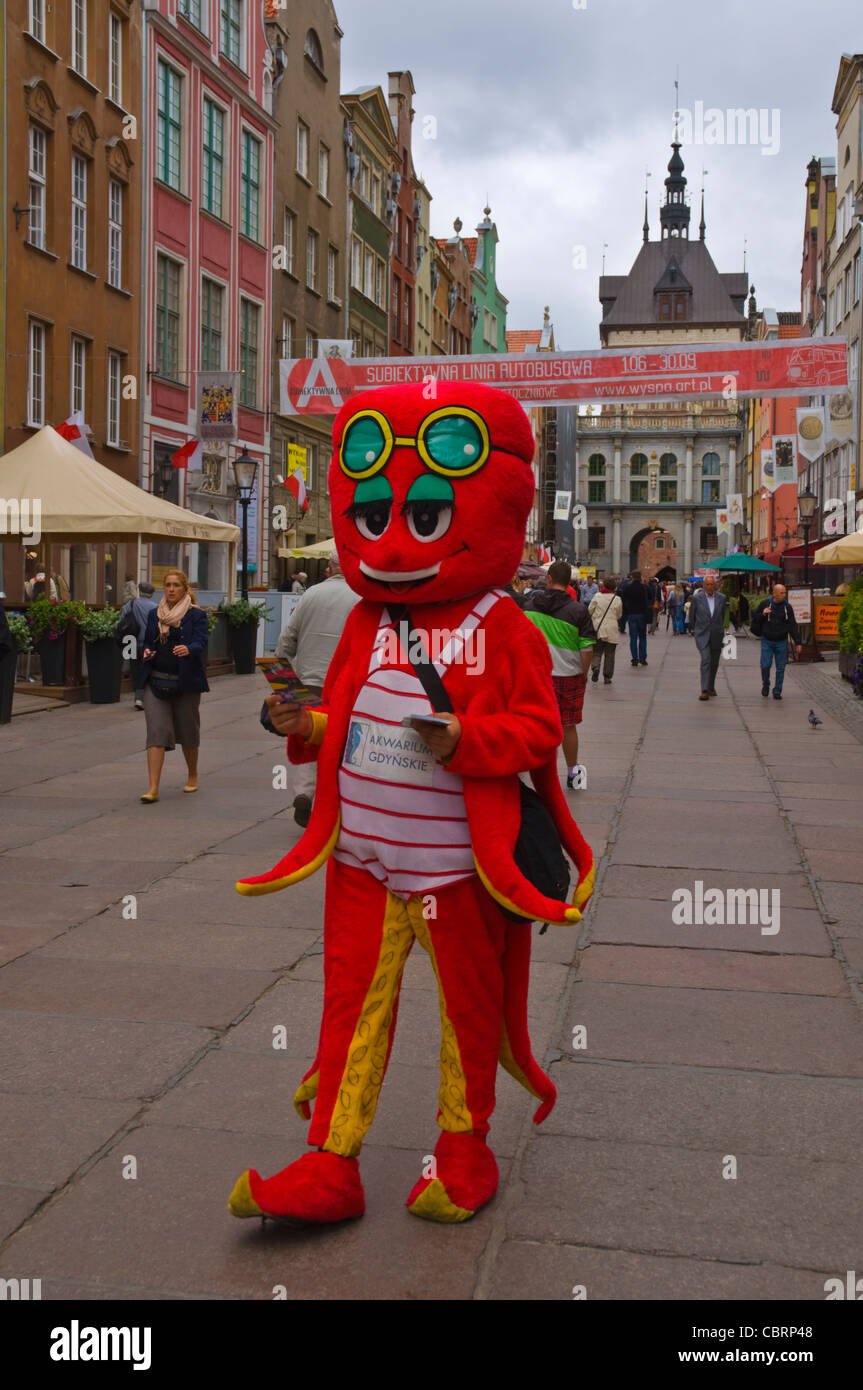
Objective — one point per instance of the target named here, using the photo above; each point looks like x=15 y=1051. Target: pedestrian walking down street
x=313 y=632
x=173 y=678
x=139 y=608
x=300 y=582
x=636 y=600
x=588 y=589
x=655 y=605
x=774 y=622
x=606 y=611
x=565 y=624
x=707 y=622
x=676 y=607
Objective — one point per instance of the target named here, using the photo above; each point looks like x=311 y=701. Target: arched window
x=710 y=479
x=638 y=478
x=313 y=50
x=596 y=478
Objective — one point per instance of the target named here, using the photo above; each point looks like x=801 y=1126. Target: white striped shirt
x=403 y=813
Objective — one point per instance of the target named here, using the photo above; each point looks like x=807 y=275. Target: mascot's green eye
x=454 y=441
x=366 y=444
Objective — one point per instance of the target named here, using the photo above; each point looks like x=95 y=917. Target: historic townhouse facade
x=424 y=251
x=454 y=298
x=652 y=475
x=209 y=75
x=74 y=171
x=488 y=306
x=405 y=218
x=310 y=262
x=372 y=158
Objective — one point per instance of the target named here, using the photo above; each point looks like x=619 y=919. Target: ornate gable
x=82 y=131
x=40 y=102
x=119 y=159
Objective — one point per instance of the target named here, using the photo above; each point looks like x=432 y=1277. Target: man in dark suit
x=707 y=624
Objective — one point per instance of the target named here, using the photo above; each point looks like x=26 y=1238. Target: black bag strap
x=425 y=671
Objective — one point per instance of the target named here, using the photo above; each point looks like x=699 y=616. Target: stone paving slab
x=718 y=1028
x=624 y=880
x=272 y=948
x=694 y=1107
x=534 y=1271
x=708 y=969
x=675 y=1201
x=628 y=921
x=44 y=1138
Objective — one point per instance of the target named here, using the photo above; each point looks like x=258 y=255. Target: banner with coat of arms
x=216 y=400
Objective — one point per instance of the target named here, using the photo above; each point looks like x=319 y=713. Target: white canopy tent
x=81 y=501
x=848 y=550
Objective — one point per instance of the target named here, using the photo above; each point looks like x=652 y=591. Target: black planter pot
x=7 y=685
x=105 y=671
x=52 y=659
x=243 y=643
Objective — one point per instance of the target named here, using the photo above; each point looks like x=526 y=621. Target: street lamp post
x=806 y=504
x=245 y=471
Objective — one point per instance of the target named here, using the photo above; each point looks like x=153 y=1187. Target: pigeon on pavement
x=814 y=720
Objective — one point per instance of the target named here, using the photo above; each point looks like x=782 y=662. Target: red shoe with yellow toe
x=320 y=1187
x=466 y=1179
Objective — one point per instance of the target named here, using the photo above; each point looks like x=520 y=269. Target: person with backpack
x=774 y=622
x=565 y=624
x=133 y=623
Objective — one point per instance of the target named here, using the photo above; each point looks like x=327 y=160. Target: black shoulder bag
x=538 y=853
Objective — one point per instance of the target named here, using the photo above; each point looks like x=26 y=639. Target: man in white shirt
x=707 y=623
x=308 y=642
x=301 y=580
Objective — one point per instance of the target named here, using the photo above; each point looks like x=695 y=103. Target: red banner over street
x=791 y=367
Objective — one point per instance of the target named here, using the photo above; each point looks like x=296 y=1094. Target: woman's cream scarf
x=172 y=617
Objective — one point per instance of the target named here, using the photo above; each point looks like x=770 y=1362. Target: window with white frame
x=115 y=379
x=311 y=343
x=250 y=186
x=212 y=305
x=376 y=194
x=847 y=289
x=79 y=211
x=286 y=339
x=249 y=316
x=369 y=274
x=857 y=278
x=115 y=74
x=365 y=176
x=839 y=310
x=232 y=30
x=36 y=374
x=167 y=317
x=311 y=450
x=38 y=142
x=191 y=10
x=37 y=19
x=79 y=36
x=213 y=156
x=312 y=259
x=853 y=360
x=356 y=263
x=169 y=97
x=302 y=149
x=290 y=235
x=323 y=170
x=78 y=375
x=380 y=281
x=332 y=273
x=115 y=234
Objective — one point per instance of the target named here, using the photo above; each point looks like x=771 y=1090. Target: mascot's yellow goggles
x=453 y=441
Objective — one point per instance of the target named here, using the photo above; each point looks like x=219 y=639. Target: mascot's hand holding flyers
x=430 y=500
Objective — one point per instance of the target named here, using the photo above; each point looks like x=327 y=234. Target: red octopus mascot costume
x=430 y=498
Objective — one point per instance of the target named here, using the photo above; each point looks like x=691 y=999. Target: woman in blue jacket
x=175 y=643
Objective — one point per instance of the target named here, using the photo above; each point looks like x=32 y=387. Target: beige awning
x=321 y=550
x=848 y=550
x=82 y=501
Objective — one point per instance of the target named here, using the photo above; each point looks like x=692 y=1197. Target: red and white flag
x=191 y=454
x=544 y=555
x=76 y=432
x=296 y=483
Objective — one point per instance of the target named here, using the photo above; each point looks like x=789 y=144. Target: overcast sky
x=556 y=112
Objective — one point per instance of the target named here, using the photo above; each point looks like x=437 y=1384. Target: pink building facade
x=208 y=249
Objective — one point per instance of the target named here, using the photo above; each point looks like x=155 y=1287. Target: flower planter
x=105 y=671
x=243 y=642
x=52 y=659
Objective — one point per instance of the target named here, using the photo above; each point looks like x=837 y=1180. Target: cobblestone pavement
x=707 y=1135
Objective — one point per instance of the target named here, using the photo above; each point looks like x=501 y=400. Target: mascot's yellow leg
x=241 y=1202
x=434 y=1205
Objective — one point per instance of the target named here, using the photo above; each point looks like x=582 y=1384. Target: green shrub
x=241 y=612
x=98 y=623
x=50 y=618
x=20 y=630
x=851 y=619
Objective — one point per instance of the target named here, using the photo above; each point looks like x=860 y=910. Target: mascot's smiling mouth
x=399 y=579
